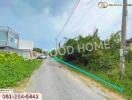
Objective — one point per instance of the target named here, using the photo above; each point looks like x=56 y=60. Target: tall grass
x=14 y=68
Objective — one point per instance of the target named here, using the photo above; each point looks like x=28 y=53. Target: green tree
x=38 y=50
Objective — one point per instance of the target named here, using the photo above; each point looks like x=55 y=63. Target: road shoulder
x=96 y=87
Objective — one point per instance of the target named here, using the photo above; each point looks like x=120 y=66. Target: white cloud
x=88 y=16
x=43 y=27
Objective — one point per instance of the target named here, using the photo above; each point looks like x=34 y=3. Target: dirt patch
x=22 y=86
x=108 y=94
x=112 y=94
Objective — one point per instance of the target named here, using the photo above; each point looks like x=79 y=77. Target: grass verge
x=14 y=68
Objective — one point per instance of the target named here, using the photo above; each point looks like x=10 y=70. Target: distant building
x=26 y=48
x=9 y=39
x=129 y=44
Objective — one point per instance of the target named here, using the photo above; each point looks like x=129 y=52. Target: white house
x=25 y=48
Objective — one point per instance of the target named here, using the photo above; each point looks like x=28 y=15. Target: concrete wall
x=25 y=44
x=27 y=54
x=26 y=48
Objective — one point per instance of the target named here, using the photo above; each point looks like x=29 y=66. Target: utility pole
x=123 y=33
x=56 y=41
x=123 y=40
x=59 y=45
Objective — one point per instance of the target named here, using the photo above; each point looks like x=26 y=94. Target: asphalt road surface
x=58 y=83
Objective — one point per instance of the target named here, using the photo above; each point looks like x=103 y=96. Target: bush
x=102 y=62
x=129 y=56
x=14 y=68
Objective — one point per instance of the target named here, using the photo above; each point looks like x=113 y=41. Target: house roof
x=129 y=40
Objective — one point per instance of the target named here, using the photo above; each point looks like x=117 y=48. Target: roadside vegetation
x=103 y=63
x=14 y=68
x=39 y=50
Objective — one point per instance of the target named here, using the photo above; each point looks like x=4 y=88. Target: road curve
x=57 y=83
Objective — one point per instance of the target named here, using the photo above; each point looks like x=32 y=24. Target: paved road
x=57 y=83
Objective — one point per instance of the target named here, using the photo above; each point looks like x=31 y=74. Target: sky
x=41 y=20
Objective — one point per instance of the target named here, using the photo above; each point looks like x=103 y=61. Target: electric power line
x=74 y=9
x=87 y=19
x=91 y=6
x=84 y=14
x=97 y=19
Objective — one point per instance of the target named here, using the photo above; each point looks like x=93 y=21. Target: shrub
x=14 y=68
